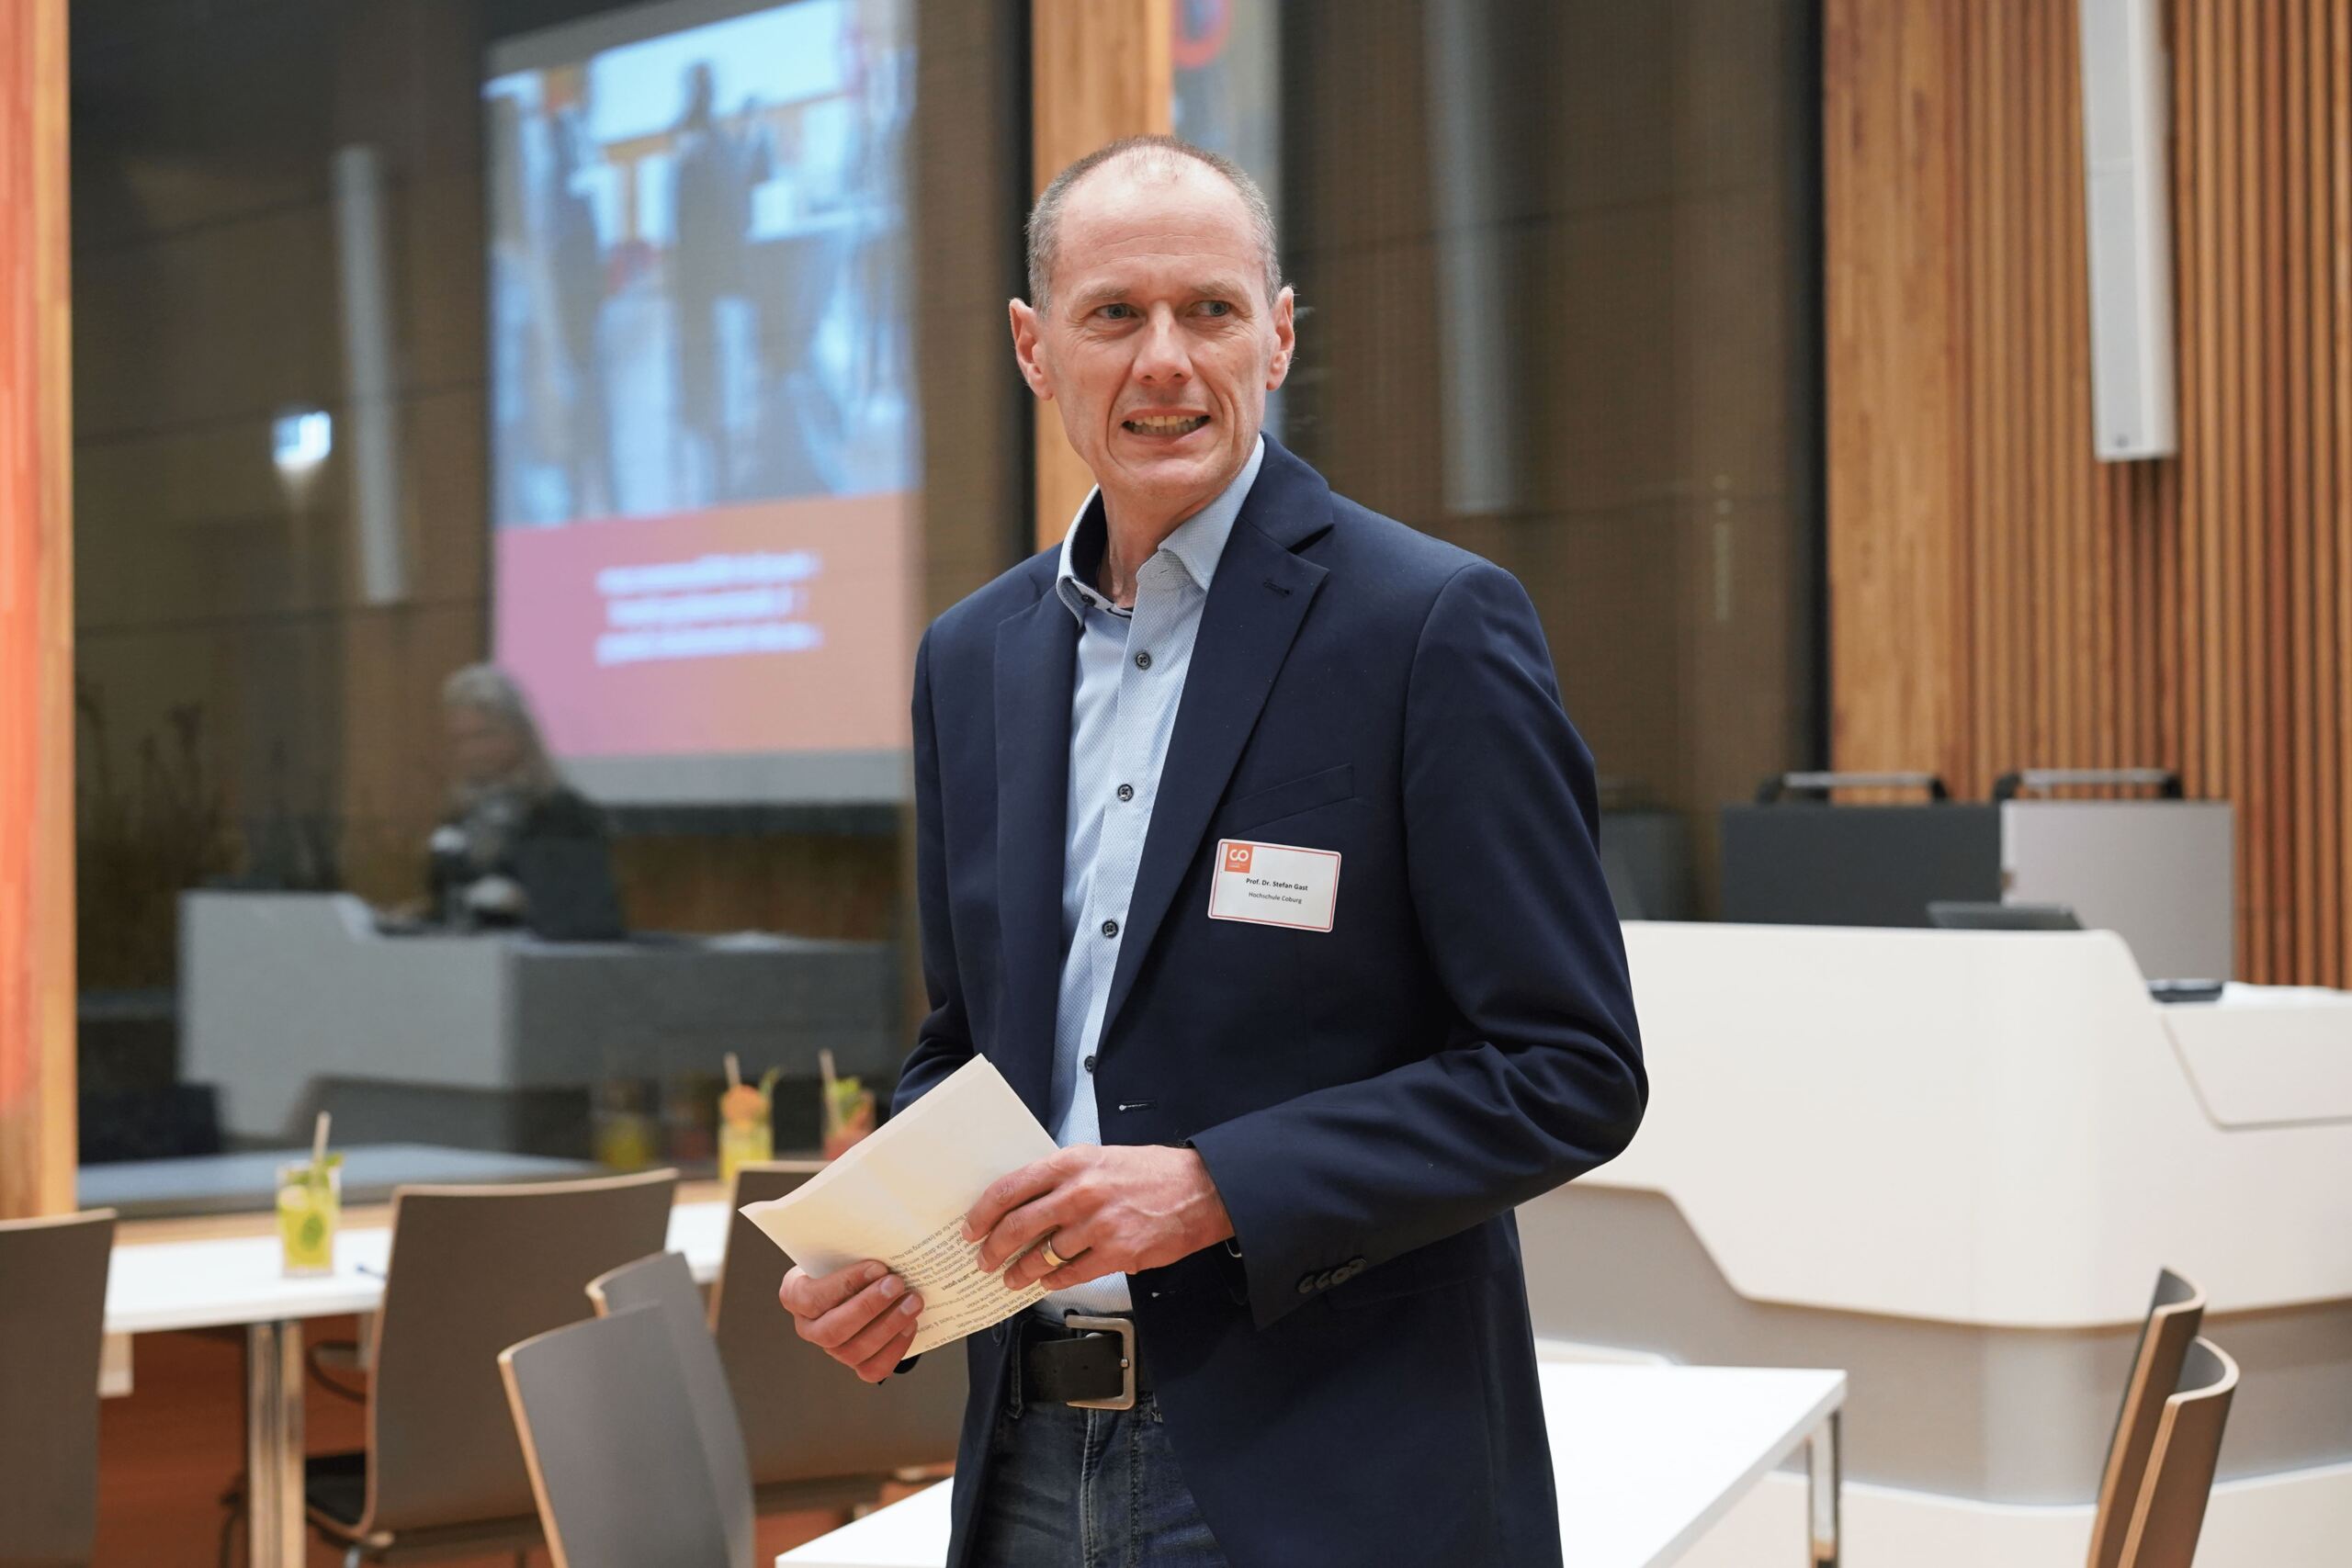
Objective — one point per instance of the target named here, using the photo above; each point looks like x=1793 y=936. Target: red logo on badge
x=1237 y=856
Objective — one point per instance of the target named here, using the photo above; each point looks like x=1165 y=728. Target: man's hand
x=862 y=1315
x=1109 y=1210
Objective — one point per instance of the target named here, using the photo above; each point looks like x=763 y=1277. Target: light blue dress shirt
x=1130 y=678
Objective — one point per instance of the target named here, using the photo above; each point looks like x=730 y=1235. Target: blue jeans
x=1071 y=1488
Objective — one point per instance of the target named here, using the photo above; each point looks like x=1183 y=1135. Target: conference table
x=238 y=1281
x=1645 y=1458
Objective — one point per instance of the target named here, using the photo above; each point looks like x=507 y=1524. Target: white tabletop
x=237 y=1280
x=1645 y=1458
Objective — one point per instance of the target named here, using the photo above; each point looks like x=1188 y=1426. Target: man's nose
x=1161 y=358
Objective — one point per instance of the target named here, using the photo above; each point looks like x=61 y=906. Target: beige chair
x=816 y=1436
x=473 y=1271
x=2171 y=1511
x=664 y=1286
x=2174 y=1316
x=613 y=1452
x=48 y=1385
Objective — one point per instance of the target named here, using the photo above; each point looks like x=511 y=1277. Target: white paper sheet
x=900 y=1195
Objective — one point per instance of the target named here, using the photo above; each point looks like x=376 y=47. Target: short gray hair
x=1157 y=157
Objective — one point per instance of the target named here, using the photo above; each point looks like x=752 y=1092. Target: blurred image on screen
x=703 y=433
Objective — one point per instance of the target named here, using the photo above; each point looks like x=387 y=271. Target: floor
x=169 y=1450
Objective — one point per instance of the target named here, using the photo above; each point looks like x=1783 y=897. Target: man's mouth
x=1166 y=424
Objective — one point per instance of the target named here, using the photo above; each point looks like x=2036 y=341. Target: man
x=1257 y=852
x=710 y=214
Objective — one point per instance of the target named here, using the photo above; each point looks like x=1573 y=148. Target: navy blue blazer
x=1360 y=1386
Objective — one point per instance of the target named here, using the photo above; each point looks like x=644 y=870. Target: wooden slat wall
x=1100 y=70
x=1998 y=598
x=36 y=1130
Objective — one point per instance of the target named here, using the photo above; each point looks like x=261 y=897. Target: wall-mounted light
x=298 y=443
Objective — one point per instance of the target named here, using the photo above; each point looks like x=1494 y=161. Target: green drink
x=310 y=1210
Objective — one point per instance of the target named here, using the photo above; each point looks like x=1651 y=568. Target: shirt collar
x=1197 y=544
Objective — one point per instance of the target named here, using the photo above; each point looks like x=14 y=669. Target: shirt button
x=1126 y=791
x=1109 y=928
x=1089 y=1063
x=1143 y=660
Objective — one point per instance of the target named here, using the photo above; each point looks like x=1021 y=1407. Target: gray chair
x=2171 y=1510
x=815 y=1435
x=664 y=1286
x=612 y=1447
x=2174 y=1314
x=49 y=1386
x=473 y=1271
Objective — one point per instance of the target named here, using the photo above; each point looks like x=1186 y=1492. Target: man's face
x=1158 y=340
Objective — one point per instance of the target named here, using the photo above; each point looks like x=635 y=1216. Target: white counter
x=283 y=990
x=2018 y=1130
x=1953 y=1162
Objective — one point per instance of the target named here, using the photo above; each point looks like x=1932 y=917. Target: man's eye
x=1216 y=308
x=1116 y=312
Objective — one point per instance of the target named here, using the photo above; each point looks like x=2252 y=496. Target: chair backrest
x=2171 y=1511
x=474 y=1269
x=52 y=1319
x=609 y=1439
x=2174 y=1316
x=664 y=1285
x=805 y=1417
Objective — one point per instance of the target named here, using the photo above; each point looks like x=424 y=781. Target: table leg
x=1824 y=1465
x=274 y=1444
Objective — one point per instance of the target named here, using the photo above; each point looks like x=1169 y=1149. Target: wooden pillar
x=1100 y=70
x=1896 y=557
x=37 y=1012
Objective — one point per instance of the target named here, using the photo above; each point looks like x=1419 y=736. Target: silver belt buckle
x=1126 y=1329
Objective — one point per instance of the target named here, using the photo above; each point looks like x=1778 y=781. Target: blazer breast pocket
x=1324 y=788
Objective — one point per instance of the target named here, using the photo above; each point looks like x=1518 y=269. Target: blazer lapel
x=1035 y=660
x=1256 y=601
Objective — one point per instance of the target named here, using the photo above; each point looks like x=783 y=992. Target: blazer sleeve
x=944 y=1040
x=1540 y=1079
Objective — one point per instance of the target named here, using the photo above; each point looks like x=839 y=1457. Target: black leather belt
x=1089 y=1362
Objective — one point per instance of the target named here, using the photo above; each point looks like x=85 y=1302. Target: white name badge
x=1275 y=884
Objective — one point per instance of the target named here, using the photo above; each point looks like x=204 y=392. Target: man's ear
x=1025 y=350
x=1285 y=340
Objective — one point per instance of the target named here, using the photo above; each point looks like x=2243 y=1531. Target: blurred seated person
x=519 y=848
